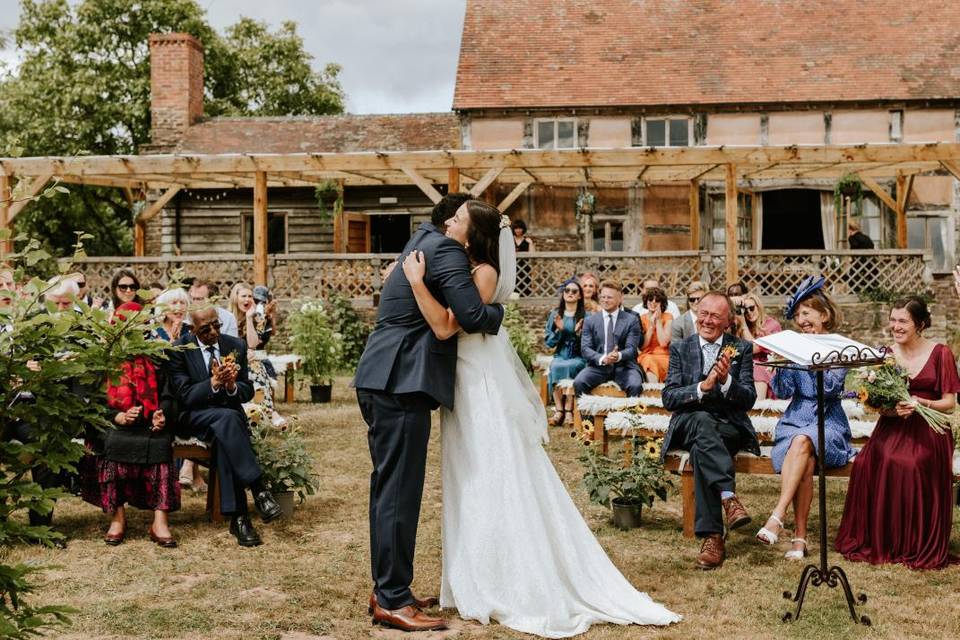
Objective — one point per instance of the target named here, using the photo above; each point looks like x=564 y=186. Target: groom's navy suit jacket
x=402 y=354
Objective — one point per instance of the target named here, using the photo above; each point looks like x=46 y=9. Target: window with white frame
x=556 y=133
x=667 y=132
x=933 y=232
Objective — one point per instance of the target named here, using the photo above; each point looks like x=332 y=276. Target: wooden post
x=453 y=180
x=7 y=245
x=260 y=228
x=139 y=238
x=903 y=192
x=732 y=207
x=695 y=215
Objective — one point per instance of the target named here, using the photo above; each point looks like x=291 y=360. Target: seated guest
x=898 y=508
x=211 y=383
x=656 y=326
x=753 y=324
x=199 y=292
x=124 y=287
x=709 y=389
x=136 y=466
x=795 y=439
x=735 y=292
x=62 y=293
x=591 y=287
x=686 y=325
x=94 y=302
x=173 y=304
x=648 y=285
x=562 y=334
x=609 y=345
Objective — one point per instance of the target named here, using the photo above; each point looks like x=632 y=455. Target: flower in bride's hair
x=504 y=222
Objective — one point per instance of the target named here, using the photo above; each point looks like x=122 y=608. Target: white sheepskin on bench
x=623 y=422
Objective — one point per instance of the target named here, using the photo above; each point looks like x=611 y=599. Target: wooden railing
x=774 y=274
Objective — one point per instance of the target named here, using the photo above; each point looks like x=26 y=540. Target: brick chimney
x=176 y=87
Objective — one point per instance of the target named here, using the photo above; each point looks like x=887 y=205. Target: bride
x=515 y=548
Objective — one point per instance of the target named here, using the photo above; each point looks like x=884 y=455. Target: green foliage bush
x=283 y=456
x=520 y=336
x=77 y=351
x=639 y=482
x=352 y=329
x=314 y=337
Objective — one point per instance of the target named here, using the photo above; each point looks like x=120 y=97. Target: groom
x=403 y=374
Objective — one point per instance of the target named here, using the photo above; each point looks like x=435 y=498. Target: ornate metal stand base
x=812 y=574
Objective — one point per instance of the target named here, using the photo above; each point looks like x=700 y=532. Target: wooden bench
x=201 y=453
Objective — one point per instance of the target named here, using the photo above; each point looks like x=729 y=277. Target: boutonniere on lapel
x=731 y=352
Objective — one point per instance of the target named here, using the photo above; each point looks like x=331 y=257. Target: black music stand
x=849 y=357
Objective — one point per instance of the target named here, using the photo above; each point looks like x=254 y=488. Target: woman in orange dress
x=657 y=324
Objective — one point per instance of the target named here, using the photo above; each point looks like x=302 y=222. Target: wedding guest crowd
x=196 y=390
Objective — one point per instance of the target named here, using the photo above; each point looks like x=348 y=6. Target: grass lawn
x=311 y=577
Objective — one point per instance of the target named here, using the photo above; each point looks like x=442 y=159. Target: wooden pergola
x=737 y=168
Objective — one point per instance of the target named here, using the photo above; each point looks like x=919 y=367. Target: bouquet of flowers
x=883 y=386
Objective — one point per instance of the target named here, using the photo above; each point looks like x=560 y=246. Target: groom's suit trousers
x=713 y=444
x=398 y=433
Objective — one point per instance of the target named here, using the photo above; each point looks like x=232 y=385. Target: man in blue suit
x=709 y=389
x=610 y=343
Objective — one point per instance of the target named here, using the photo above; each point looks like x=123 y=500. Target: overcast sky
x=398 y=56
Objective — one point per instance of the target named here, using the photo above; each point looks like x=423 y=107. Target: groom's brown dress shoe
x=712 y=552
x=419 y=603
x=737 y=515
x=409 y=618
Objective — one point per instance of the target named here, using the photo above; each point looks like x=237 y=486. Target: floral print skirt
x=110 y=485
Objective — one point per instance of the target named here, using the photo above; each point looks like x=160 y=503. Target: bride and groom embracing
x=515 y=548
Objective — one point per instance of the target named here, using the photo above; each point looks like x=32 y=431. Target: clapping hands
x=718 y=373
x=611 y=358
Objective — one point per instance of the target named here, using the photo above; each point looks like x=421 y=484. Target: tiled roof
x=323 y=134
x=558 y=53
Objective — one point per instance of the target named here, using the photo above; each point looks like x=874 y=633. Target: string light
x=205 y=198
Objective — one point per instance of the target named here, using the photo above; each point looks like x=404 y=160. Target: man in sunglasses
x=211 y=383
x=200 y=294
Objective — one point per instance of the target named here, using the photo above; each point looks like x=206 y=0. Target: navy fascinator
x=807 y=288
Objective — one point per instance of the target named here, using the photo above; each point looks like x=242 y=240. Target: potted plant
x=287 y=465
x=314 y=339
x=625 y=488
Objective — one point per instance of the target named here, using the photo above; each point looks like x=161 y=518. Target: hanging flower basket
x=586 y=203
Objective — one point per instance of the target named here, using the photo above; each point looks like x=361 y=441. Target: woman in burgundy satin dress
x=899 y=504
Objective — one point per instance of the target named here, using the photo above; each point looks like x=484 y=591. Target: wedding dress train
x=515 y=547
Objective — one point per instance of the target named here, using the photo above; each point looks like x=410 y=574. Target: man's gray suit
x=403 y=374
x=714 y=429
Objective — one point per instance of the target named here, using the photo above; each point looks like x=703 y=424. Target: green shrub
x=352 y=329
x=520 y=337
x=314 y=338
x=283 y=456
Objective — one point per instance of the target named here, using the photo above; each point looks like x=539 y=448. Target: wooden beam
x=158 y=204
x=695 y=215
x=35 y=186
x=453 y=180
x=260 y=228
x=879 y=191
x=485 y=181
x=755 y=220
x=139 y=238
x=424 y=185
x=7 y=245
x=952 y=167
x=512 y=196
x=904 y=187
x=731 y=206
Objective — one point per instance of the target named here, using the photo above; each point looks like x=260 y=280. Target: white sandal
x=769 y=537
x=796 y=554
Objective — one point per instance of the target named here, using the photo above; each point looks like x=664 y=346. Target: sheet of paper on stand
x=802 y=347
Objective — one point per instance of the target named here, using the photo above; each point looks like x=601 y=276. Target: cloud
x=398 y=56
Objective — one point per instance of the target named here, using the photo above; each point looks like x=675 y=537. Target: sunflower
x=652 y=449
x=862 y=394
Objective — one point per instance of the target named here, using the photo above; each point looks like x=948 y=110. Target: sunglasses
x=571 y=290
x=82 y=284
x=694 y=299
x=750 y=308
x=127 y=287
x=207 y=328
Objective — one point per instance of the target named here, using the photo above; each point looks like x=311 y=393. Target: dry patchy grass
x=311 y=577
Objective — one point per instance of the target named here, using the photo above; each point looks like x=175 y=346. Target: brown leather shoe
x=737 y=516
x=166 y=543
x=712 y=552
x=419 y=603
x=408 y=618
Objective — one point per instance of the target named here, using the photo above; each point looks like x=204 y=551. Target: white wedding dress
x=515 y=548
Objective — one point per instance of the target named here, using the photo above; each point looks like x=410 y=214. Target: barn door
x=357 y=232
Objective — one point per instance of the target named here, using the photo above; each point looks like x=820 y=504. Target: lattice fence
x=849 y=274
x=359 y=276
